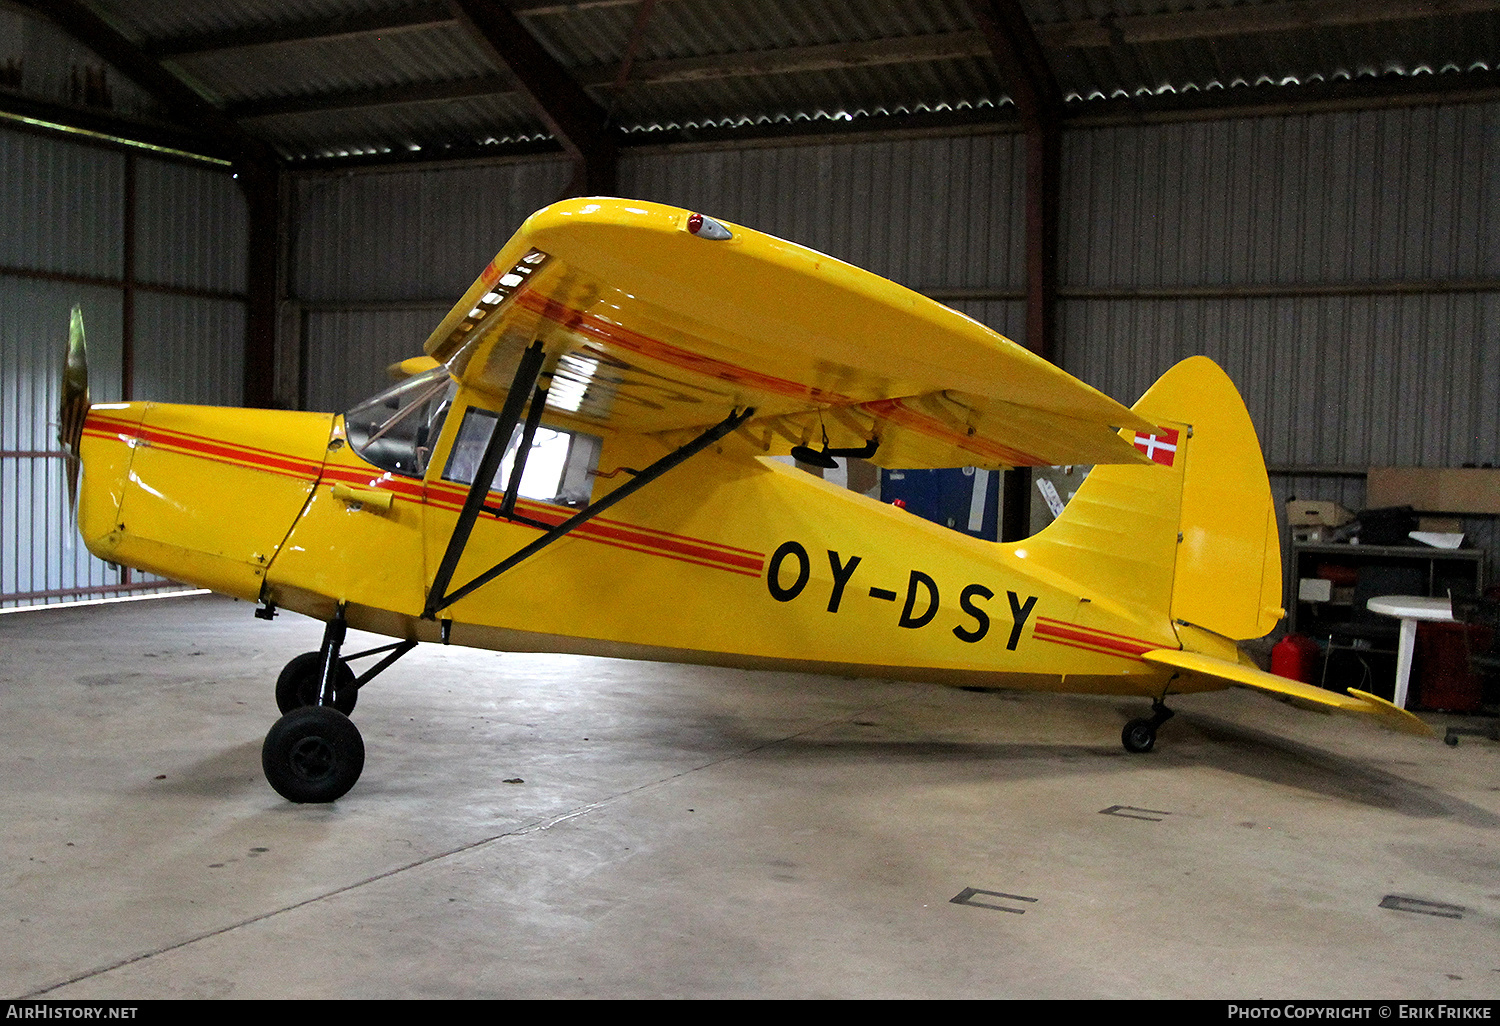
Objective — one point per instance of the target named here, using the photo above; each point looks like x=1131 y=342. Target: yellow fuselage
x=729 y=559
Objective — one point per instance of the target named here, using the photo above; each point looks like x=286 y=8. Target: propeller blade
x=75 y=400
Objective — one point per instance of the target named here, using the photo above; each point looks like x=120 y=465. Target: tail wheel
x=313 y=754
x=302 y=677
x=1139 y=736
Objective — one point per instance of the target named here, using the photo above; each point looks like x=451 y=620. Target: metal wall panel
x=347 y=351
x=191 y=225
x=1402 y=197
x=1361 y=196
x=61 y=206
x=1329 y=380
x=39 y=546
x=63 y=211
x=411 y=234
x=928 y=213
x=189 y=350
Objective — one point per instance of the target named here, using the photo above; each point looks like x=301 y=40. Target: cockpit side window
x=397 y=429
x=559 y=468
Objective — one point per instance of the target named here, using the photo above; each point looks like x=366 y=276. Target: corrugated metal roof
x=824 y=95
x=426 y=128
x=590 y=36
x=1289 y=56
x=750 y=63
x=144 y=20
x=440 y=54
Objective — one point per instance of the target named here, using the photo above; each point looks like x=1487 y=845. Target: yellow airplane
x=583 y=462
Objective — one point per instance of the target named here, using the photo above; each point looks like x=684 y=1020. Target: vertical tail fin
x=1193 y=534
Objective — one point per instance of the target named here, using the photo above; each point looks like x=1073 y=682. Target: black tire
x=297 y=686
x=1139 y=736
x=313 y=754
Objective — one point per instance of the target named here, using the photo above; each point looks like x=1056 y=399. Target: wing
x=1390 y=715
x=650 y=327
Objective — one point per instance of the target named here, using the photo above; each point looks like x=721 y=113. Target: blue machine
x=966 y=500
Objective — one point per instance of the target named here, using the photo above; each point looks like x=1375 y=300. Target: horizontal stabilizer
x=1235 y=673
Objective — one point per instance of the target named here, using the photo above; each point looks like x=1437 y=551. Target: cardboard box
x=1435 y=490
x=1301 y=513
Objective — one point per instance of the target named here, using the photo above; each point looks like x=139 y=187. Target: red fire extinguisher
x=1295 y=656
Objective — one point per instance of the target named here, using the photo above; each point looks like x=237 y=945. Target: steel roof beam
x=79 y=21
x=417 y=15
x=178 y=99
x=1023 y=64
x=128 y=130
x=830 y=57
x=825 y=57
x=570 y=114
x=383 y=96
x=1294 y=16
x=1029 y=80
x=423 y=15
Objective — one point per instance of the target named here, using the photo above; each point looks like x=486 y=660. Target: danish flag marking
x=1160 y=445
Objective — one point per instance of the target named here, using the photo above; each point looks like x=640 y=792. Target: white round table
x=1409 y=609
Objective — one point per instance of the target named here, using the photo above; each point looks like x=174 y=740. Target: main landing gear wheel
x=313 y=754
x=297 y=687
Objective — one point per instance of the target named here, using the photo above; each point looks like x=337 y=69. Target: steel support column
x=1032 y=86
x=262 y=185
x=579 y=124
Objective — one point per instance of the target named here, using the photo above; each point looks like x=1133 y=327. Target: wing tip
x=1391 y=714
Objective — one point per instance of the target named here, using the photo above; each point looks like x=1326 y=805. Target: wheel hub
x=313 y=758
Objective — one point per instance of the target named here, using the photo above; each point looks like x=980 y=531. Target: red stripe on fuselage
x=646 y=540
x=206 y=447
x=640 y=539
x=1074 y=636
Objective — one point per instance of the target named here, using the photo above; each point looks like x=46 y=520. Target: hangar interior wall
x=153 y=250
x=1343 y=266
x=377 y=259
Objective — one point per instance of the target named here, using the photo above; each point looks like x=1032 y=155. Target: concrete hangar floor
x=550 y=826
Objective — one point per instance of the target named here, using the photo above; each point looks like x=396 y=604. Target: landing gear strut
x=1139 y=735
x=302 y=680
x=314 y=753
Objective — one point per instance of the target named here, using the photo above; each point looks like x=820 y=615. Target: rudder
x=1193 y=534
x=1228 y=574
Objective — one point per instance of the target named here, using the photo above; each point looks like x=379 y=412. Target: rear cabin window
x=559 y=468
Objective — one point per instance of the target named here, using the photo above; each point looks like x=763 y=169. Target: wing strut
x=438 y=598
x=527 y=372
x=518 y=469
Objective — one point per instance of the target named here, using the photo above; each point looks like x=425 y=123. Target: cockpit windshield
x=397 y=429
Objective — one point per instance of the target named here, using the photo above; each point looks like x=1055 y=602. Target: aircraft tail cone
x=74 y=405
